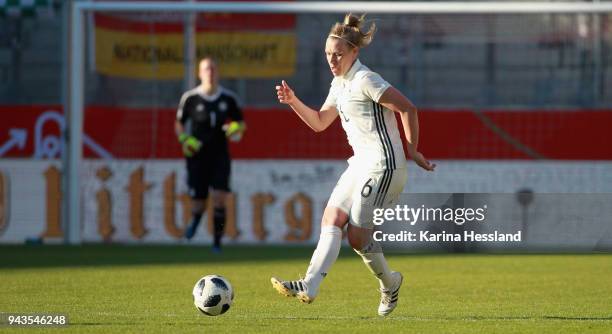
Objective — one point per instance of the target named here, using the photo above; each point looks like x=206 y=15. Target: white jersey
x=370 y=128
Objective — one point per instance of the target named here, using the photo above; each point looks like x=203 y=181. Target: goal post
x=74 y=107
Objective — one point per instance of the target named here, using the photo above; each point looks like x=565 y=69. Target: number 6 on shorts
x=367 y=189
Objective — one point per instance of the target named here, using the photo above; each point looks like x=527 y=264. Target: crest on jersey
x=200 y=107
x=222 y=106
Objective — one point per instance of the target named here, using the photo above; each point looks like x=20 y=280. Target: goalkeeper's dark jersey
x=203 y=117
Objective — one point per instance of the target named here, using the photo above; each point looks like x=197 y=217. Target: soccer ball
x=213 y=295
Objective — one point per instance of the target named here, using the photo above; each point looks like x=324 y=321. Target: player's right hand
x=190 y=144
x=285 y=93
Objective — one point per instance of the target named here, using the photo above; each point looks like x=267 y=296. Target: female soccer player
x=377 y=171
x=202 y=132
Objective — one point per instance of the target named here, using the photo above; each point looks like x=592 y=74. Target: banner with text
x=246 y=46
x=282 y=201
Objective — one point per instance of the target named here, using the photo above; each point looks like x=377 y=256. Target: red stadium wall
x=279 y=134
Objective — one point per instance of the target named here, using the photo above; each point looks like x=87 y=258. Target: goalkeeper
x=208 y=115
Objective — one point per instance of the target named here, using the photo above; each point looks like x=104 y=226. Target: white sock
x=374 y=259
x=323 y=257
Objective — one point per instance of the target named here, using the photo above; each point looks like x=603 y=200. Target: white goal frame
x=75 y=102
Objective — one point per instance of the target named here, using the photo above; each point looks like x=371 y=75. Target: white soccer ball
x=213 y=295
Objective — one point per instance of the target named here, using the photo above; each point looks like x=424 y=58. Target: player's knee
x=356 y=242
x=198 y=205
x=218 y=198
x=357 y=238
x=334 y=216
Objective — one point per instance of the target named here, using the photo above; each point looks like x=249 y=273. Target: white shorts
x=358 y=193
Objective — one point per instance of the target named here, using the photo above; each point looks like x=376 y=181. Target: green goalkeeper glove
x=234 y=130
x=190 y=144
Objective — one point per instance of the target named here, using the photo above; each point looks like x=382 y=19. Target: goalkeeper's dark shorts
x=204 y=172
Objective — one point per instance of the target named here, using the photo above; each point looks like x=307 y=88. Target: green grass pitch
x=147 y=289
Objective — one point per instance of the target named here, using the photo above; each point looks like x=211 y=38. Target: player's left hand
x=422 y=162
x=234 y=130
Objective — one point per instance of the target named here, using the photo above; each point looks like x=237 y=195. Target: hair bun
x=351 y=20
x=350 y=31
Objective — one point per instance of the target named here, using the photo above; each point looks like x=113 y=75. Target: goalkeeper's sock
x=193 y=226
x=219 y=226
x=374 y=259
x=323 y=257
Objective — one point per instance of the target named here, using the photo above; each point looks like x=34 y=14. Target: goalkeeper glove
x=190 y=144
x=234 y=130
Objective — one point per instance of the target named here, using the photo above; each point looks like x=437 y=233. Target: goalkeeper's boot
x=389 y=297
x=297 y=289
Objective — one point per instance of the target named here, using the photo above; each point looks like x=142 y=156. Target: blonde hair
x=350 y=31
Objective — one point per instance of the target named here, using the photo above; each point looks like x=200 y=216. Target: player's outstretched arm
x=316 y=120
x=393 y=99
